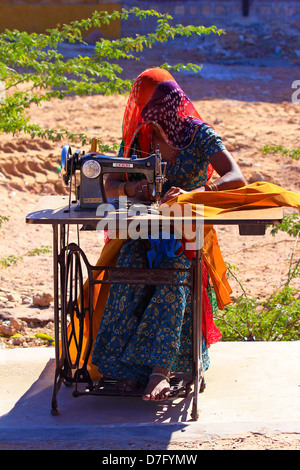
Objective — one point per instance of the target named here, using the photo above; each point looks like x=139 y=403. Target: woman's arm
x=223 y=163
x=231 y=176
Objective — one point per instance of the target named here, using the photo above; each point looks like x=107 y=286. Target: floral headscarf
x=157 y=98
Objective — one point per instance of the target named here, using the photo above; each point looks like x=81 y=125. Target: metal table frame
x=68 y=287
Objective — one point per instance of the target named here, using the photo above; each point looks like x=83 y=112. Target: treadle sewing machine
x=74 y=314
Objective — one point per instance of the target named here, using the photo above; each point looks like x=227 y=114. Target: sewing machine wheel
x=65 y=166
x=73 y=310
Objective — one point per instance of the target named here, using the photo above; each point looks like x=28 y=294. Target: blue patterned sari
x=145 y=326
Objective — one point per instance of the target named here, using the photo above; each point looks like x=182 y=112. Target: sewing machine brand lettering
x=88 y=200
x=123 y=165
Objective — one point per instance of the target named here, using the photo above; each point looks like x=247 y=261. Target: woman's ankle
x=161 y=370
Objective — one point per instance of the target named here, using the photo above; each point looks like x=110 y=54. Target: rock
x=7 y=329
x=244 y=162
x=26 y=300
x=16 y=341
x=10 y=297
x=18 y=325
x=256 y=177
x=42 y=300
x=5 y=315
x=48 y=188
x=29 y=313
x=230 y=147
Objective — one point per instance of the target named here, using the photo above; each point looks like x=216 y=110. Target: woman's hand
x=173 y=192
x=142 y=191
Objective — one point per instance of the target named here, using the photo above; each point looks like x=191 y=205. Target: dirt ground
x=250 y=111
x=249 y=441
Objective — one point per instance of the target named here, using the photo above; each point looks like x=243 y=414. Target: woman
x=145 y=331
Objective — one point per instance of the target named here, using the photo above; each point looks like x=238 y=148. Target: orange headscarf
x=157 y=98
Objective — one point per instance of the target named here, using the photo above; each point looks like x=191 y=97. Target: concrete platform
x=251 y=387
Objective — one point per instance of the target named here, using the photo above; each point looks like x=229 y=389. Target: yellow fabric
x=254 y=196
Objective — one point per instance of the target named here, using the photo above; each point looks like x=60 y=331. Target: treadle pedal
x=180 y=387
x=107 y=387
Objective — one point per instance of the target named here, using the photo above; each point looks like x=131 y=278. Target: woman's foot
x=127 y=385
x=158 y=387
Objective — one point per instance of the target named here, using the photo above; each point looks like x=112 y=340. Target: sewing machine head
x=93 y=166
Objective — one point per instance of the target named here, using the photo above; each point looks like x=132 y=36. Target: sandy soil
x=247 y=112
x=249 y=441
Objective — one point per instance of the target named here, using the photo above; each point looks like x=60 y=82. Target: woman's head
x=157 y=98
x=173 y=113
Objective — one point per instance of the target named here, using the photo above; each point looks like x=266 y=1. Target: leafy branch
x=293 y=153
x=34 y=71
x=290 y=224
x=12 y=260
x=3 y=219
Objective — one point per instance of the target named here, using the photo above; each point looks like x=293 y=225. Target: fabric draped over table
x=250 y=197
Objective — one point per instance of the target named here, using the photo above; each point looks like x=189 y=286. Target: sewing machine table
x=67 y=259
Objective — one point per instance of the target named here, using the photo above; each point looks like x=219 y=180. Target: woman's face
x=156 y=131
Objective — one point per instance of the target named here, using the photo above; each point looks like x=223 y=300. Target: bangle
x=121 y=189
x=211 y=187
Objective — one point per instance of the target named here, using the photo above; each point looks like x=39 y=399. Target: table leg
x=54 y=409
x=62 y=367
x=197 y=334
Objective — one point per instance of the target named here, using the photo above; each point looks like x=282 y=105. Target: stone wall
x=221 y=12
